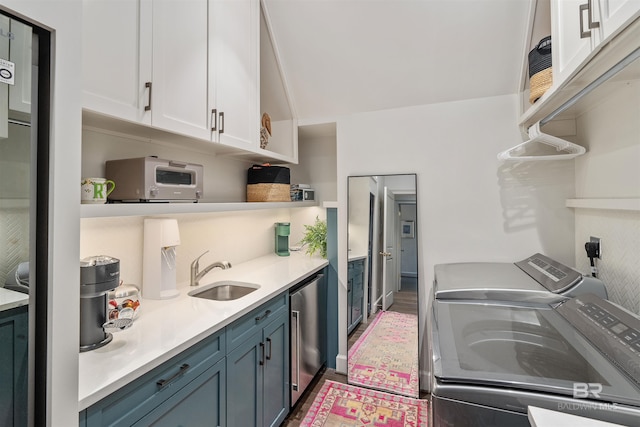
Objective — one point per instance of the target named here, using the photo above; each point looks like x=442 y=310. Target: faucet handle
x=195 y=261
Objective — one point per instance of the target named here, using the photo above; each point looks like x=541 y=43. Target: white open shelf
x=149 y=209
x=609 y=204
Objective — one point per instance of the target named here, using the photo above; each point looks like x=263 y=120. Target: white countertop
x=539 y=417
x=165 y=328
x=12 y=299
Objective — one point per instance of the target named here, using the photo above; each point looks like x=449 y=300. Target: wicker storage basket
x=268 y=184
x=540 y=70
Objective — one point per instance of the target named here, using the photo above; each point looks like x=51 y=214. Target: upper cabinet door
x=180 y=67
x=116 y=55
x=617 y=14
x=234 y=40
x=573 y=40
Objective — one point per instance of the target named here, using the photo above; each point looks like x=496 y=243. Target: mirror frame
x=419 y=310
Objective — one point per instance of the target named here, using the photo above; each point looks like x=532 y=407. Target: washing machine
x=493 y=359
x=531 y=279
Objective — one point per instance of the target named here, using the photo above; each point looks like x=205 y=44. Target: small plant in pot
x=315 y=237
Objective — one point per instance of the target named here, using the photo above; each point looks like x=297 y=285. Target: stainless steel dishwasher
x=307 y=334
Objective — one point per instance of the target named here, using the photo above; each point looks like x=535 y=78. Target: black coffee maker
x=98 y=275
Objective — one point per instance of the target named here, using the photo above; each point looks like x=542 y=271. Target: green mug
x=96 y=190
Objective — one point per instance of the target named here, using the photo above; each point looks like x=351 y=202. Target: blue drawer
x=243 y=328
x=135 y=400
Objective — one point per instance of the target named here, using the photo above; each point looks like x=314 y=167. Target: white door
x=116 y=58
x=234 y=52
x=180 y=100
x=388 y=255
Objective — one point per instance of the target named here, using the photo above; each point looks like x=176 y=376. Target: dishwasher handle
x=295 y=314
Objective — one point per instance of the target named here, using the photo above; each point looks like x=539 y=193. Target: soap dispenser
x=161 y=236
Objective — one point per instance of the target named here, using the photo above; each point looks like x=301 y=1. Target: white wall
x=317 y=166
x=470 y=207
x=64 y=18
x=611 y=169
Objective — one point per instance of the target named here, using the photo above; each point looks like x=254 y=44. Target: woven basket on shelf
x=540 y=83
x=540 y=70
x=268 y=193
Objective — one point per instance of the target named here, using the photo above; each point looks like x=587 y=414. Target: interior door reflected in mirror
x=382 y=283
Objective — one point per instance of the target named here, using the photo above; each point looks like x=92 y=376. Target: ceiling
x=348 y=56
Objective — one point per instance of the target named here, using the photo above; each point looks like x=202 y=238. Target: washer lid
x=522 y=347
x=486 y=281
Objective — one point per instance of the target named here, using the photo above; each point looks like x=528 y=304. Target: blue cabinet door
x=258 y=377
x=200 y=403
x=244 y=373
x=13 y=366
x=276 y=387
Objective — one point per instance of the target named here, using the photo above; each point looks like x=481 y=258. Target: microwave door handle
x=177 y=164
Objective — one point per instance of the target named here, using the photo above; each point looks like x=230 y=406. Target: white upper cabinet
x=116 y=55
x=179 y=100
x=234 y=72
x=617 y=14
x=186 y=67
x=580 y=26
x=576 y=31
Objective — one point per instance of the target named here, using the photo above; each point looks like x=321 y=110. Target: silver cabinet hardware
x=181 y=371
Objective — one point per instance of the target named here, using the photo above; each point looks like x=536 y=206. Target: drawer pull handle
x=262 y=358
x=266 y=313
x=181 y=371
x=221 y=115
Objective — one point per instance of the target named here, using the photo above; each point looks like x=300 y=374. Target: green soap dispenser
x=282 y=238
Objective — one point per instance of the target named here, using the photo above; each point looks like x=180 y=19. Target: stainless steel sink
x=224 y=291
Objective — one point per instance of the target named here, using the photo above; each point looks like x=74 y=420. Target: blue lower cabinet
x=199 y=403
x=174 y=386
x=258 y=376
x=14 y=331
x=201 y=387
x=276 y=388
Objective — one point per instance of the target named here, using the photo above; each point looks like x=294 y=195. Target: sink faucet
x=197 y=275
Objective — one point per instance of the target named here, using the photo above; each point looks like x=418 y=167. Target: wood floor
x=403 y=302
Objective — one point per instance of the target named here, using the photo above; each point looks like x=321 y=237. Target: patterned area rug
x=343 y=405
x=385 y=357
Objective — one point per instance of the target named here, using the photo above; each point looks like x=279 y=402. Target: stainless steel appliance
x=98 y=276
x=149 y=179
x=491 y=360
x=307 y=335
x=527 y=280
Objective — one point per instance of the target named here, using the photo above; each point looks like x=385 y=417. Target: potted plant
x=315 y=237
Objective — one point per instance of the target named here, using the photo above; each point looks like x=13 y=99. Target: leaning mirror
x=382 y=283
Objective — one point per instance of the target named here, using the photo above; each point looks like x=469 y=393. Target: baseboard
x=341 y=364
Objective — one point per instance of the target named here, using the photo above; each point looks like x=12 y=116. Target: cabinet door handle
x=214 y=119
x=181 y=371
x=221 y=122
x=266 y=313
x=592 y=23
x=148 y=106
x=269 y=352
x=262 y=350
